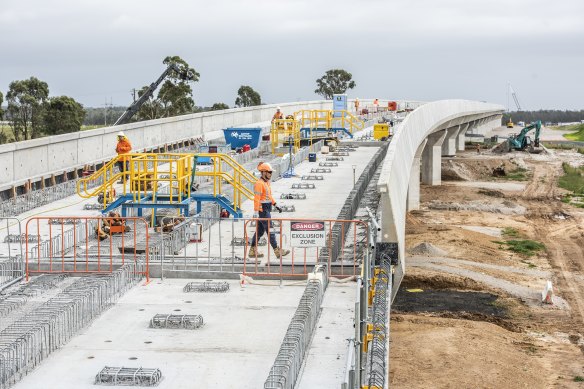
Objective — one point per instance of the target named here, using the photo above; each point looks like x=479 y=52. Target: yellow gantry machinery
x=167 y=180
x=309 y=126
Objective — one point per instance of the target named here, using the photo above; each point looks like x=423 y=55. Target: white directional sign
x=307 y=233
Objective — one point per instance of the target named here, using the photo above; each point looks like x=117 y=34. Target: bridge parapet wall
x=24 y=160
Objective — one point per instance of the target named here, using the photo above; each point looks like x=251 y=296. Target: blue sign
x=339 y=104
x=238 y=137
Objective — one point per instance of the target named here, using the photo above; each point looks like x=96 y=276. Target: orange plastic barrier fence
x=341 y=244
x=86 y=245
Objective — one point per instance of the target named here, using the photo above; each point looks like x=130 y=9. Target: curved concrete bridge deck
x=431 y=131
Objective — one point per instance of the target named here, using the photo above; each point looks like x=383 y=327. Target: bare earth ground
x=472 y=318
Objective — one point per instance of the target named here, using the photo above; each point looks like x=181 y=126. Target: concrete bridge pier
x=413 y=200
x=461 y=137
x=431 y=158
x=449 y=144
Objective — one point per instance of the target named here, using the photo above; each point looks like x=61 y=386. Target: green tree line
x=32 y=113
x=545 y=115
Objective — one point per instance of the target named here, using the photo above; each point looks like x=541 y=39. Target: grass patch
x=573 y=179
x=91 y=127
x=577 y=135
x=510 y=232
x=519 y=174
x=578 y=378
x=561 y=146
x=524 y=247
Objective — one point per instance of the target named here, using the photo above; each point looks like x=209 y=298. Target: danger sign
x=305 y=233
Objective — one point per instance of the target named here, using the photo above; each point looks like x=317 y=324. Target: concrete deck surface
x=234 y=349
x=243 y=328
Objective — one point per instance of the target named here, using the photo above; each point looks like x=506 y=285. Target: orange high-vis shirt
x=123 y=147
x=262 y=194
x=278 y=116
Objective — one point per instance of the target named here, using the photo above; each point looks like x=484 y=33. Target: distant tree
x=1 y=110
x=102 y=115
x=26 y=101
x=334 y=81
x=151 y=109
x=219 y=106
x=247 y=97
x=62 y=115
x=175 y=96
x=545 y=115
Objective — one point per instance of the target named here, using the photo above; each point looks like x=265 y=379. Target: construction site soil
x=469 y=311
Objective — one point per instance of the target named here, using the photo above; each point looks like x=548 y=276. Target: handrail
x=145 y=173
x=328 y=118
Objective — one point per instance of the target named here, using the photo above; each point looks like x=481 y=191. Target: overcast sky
x=97 y=50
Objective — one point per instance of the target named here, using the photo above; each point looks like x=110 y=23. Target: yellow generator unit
x=381 y=131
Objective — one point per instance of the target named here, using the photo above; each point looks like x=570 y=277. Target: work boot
x=281 y=252
x=253 y=253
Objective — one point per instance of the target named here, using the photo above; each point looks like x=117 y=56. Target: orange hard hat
x=265 y=167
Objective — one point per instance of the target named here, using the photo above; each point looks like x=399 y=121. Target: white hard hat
x=121 y=133
x=278 y=108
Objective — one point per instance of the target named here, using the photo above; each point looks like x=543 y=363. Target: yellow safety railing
x=148 y=172
x=101 y=182
x=284 y=130
x=326 y=119
x=237 y=178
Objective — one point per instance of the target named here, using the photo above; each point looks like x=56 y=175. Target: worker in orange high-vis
x=123 y=147
x=262 y=207
x=278 y=115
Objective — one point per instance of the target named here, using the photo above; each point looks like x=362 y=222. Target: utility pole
x=105 y=107
x=134 y=94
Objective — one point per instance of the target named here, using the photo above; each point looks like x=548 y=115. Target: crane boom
x=135 y=106
x=515 y=99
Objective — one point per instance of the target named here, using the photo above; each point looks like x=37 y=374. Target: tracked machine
x=522 y=142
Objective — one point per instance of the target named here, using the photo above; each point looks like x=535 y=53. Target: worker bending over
x=113 y=219
x=262 y=205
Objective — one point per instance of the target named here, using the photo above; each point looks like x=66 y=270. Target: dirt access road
x=469 y=314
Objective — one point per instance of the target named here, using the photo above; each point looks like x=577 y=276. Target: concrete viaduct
x=430 y=131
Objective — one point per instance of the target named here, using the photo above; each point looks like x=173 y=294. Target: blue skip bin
x=237 y=137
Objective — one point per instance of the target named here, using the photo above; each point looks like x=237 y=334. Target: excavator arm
x=135 y=107
x=520 y=141
x=525 y=130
